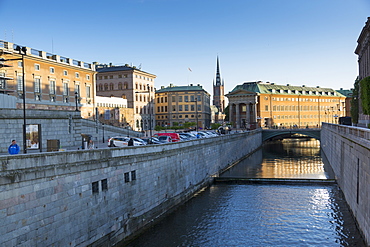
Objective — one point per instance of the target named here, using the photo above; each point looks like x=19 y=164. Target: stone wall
x=348 y=151
x=65 y=126
x=102 y=196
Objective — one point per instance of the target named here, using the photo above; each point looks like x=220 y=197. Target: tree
x=365 y=95
x=354 y=102
x=226 y=111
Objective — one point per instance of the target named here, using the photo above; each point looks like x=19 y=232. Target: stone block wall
x=102 y=196
x=348 y=152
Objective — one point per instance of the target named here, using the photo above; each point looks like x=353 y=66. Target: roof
x=180 y=89
x=106 y=68
x=346 y=92
x=268 y=88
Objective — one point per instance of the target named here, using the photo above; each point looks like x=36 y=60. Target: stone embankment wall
x=65 y=126
x=102 y=196
x=348 y=152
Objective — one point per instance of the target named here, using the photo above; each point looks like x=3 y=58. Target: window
x=104 y=185
x=52 y=86
x=37 y=66
x=173 y=98
x=37 y=85
x=77 y=89
x=191 y=98
x=180 y=98
x=2 y=81
x=19 y=83
x=120 y=86
x=186 y=107
x=65 y=72
x=119 y=76
x=77 y=75
x=88 y=77
x=95 y=187
x=133 y=175
x=65 y=89
x=20 y=64
x=180 y=107
x=127 y=177
x=173 y=107
x=52 y=70
x=88 y=92
x=186 y=98
x=192 y=108
x=111 y=77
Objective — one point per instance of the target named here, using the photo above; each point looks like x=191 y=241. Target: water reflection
x=290 y=158
x=258 y=215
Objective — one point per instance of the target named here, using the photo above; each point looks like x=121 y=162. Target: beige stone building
x=259 y=104
x=51 y=81
x=181 y=104
x=114 y=111
x=363 y=52
x=133 y=84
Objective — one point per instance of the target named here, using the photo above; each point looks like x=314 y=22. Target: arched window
x=111 y=87
x=120 y=86
x=140 y=87
x=136 y=97
x=136 y=86
x=100 y=87
x=125 y=85
x=105 y=87
x=141 y=98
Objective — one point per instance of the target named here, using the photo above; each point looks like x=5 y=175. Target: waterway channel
x=312 y=214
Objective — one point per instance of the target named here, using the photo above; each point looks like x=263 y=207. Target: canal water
x=263 y=214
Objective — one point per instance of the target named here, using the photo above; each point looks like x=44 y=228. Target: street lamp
x=196 y=113
x=103 y=131
x=76 y=100
x=22 y=51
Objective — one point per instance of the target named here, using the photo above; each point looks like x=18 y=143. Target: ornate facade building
x=218 y=96
x=259 y=104
x=133 y=84
x=181 y=104
x=51 y=82
x=363 y=52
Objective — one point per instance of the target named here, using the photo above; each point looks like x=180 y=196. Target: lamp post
x=196 y=113
x=22 y=51
x=103 y=131
x=76 y=100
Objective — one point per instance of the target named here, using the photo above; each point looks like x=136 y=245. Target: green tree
x=365 y=95
x=355 y=102
x=226 y=111
x=215 y=126
x=187 y=125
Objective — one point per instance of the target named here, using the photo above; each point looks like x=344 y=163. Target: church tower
x=218 y=92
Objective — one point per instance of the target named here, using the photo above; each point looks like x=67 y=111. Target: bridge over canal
x=271 y=133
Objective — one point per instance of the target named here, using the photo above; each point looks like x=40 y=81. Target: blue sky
x=300 y=42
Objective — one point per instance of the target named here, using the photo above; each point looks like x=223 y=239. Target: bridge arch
x=270 y=133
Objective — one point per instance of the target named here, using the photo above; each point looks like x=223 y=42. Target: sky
x=296 y=42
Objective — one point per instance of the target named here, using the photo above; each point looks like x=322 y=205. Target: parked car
x=165 y=139
x=122 y=141
x=174 y=136
x=187 y=136
x=118 y=141
x=151 y=140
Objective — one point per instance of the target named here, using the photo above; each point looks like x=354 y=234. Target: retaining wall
x=103 y=196
x=348 y=151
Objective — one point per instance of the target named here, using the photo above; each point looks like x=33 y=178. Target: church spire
x=218 y=76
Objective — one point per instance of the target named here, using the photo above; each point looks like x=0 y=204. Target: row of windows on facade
x=110 y=105
x=303 y=99
x=52 y=70
x=179 y=116
x=144 y=110
x=296 y=108
x=104 y=183
x=124 y=76
x=186 y=99
x=52 y=88
x=300 y=116
x=122 y=86
x=302 y=92
x=180 y=108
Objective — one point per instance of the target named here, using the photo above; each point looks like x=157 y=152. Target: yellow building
x=182 y=104
x=51 y=81
x=254 y=104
